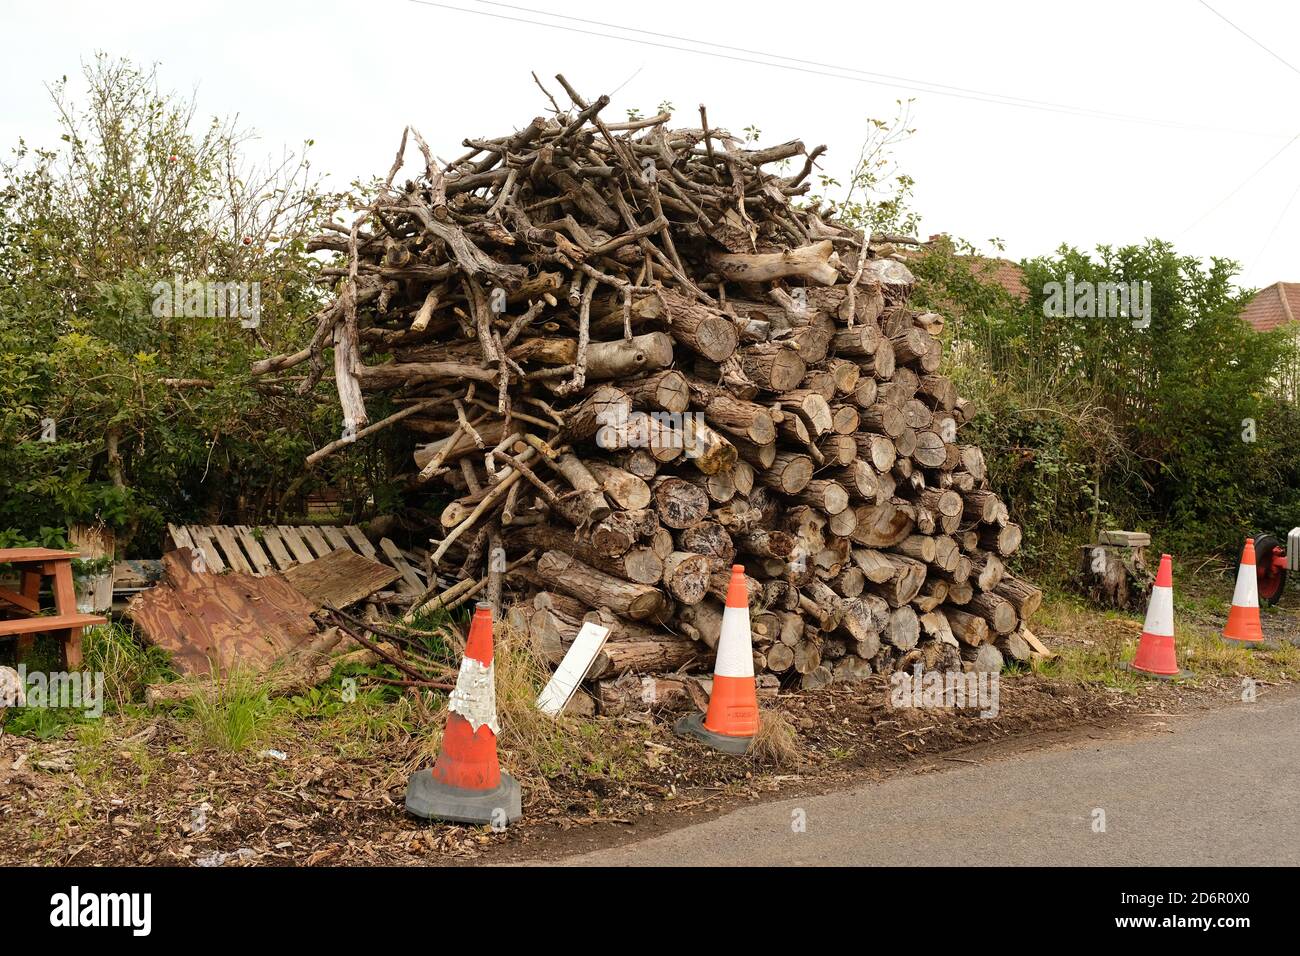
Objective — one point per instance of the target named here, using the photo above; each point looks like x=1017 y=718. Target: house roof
x=1003 y=272
x=1007 y=274
x=1273 y=306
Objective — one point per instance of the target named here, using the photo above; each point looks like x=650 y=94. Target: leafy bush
x=114 y=406
x=1090 y=422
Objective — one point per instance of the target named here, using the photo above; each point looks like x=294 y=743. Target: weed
x=127 y=664
x=776 y=743
x=42 y=723
x=233 y=713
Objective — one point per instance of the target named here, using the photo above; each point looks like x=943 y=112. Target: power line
x=1275 y=56
x=1278 y=223
x=921 y=86
x=1242 y=185
x=891 y=78
x=1268 y=162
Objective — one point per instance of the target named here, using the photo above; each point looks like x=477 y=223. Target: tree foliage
x=152 y=413
x=1103 y=420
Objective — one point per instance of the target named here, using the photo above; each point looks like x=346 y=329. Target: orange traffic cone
x=467 y=784
x=1243 y=625
x=1155 y=654
x=732 y=719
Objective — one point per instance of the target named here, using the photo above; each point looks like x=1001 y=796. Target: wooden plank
x=230 y=548
x=336 y=538
x=39 y=625
x=180 y=536
x=1037 y=646
x=65 y=603
x=255 y=553
x=317 y=540
x=410 y=581
x=415 y=562
x=360 y=543
x=275 y=546
x=135 y=575
x=23 y=601
x=217 y=621
x=203 y=541
x=294 y=540
x=340 y=578
x=20 y=555
x=573 y=669
x=1130 y=539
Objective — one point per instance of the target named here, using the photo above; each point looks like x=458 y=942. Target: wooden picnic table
x=24 y=605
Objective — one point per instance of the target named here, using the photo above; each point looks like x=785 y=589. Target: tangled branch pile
x=636 y=361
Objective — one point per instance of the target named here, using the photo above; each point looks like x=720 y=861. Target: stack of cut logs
x=633 y=361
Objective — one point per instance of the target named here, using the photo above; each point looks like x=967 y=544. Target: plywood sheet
x=221 y=621
x=340 y=578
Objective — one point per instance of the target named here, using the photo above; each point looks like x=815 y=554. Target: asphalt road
x=1221 y=788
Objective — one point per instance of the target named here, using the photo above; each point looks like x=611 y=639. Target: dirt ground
x=137 y=791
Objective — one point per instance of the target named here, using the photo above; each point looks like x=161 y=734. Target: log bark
x=773 y=366
x=971 y=629
x=1023 y=596
x=569 y=575
x=789 y=473
x=624 y=489
x=686 y=576
x=679 y=503
x=985 y=659
x=808 y=262
x=1005 y=540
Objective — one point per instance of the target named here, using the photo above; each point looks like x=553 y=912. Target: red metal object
x=1270 y=567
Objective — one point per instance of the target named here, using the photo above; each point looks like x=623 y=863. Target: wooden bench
x=66 y=622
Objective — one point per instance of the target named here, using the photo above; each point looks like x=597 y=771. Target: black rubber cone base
x=1264 y=644
x=693 y=726
x=427 y=798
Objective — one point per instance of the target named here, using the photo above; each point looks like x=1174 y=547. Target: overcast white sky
x=1212 y=106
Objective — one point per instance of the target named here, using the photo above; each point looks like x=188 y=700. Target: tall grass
x=128 y=664
x=233 y=712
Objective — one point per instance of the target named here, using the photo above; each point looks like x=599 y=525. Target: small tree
x=113 y=403
x=879 y=194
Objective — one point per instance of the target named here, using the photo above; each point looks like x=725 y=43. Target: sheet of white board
x=572 y=669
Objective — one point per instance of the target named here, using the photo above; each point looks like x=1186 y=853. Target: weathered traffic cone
x=1155 y=654
x=467 y=784
x=732 y=718
x=1243 y=625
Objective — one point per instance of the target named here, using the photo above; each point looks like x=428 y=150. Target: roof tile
x=1274 y=305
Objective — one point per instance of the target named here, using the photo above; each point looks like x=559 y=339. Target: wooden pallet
x=273 y=548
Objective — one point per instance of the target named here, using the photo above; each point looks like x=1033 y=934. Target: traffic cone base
x=432 y=800
x=692 y=725
x=1243 y=625
x=466 y=784
x=1145 y=673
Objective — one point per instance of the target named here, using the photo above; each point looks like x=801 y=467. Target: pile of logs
x=632 y=360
